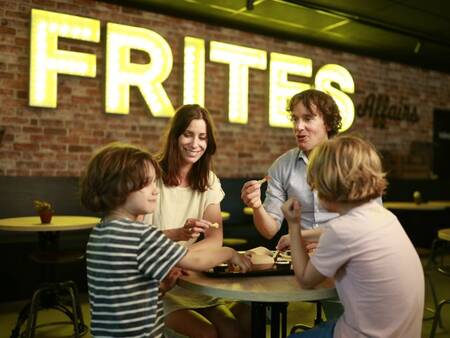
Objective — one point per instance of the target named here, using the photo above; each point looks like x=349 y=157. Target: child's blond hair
x=346 y=169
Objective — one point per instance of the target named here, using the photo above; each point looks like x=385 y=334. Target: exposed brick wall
x=58 y=142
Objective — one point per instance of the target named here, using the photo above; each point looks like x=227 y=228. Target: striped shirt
x=126 y=261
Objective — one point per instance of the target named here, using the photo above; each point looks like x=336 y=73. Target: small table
x=272 y=291
x=248 y=211
x=58 y=223
x=225 y=215
x=48 y=239
x=431 y=205
x=420 y=220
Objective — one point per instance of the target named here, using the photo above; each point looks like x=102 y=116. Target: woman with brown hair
x=188 y=206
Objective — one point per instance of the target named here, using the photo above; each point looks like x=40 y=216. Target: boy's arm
x=306 y=274
x=201 y=260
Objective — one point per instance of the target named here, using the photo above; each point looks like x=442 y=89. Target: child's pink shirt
x=379 y=277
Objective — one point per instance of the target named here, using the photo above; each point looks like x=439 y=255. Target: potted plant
x=44 y=210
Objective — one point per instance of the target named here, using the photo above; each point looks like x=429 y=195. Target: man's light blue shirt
x=288 y=179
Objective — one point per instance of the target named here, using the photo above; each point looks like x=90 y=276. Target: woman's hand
x=242 y=261
x=193 y=228
x=251 y=194
x=292 y=212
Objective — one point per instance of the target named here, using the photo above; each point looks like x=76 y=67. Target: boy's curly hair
x=114 y=172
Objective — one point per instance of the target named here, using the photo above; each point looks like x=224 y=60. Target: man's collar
x=302 y=156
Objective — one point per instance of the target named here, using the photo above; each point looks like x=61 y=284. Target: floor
x=297 y=312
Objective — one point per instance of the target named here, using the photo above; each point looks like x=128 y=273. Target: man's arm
x=266 y=225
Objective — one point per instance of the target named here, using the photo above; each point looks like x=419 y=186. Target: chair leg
x=437 y=316
x=77 y=314
x=34 y=308
x=318 y=320
x=58 y=290
x=433 y=297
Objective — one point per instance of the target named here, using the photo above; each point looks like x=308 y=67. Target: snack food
x=261 y=258
x=214 y=225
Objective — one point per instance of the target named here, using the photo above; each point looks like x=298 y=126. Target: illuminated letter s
x=338 y=74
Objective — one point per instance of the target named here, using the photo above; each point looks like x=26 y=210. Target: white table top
x=256 y=289
x=58 y=223
x=431 y=205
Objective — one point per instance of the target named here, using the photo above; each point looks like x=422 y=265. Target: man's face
x=309 y=127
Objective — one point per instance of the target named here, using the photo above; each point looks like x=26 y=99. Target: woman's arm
x=213 y=236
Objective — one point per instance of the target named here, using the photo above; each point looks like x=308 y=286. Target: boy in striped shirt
x=127 y=259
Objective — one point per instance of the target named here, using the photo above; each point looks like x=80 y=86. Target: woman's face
x=193 y=142
x=309 y=127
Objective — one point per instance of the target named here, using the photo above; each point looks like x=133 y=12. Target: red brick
x=64 y=138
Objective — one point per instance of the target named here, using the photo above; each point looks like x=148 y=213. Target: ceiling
x=408 y=31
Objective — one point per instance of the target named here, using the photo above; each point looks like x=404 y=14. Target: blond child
x=378 y=274
x=127 y=259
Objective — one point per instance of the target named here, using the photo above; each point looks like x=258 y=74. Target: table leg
x=278 y=311
x=258 y=320
x=274 y=321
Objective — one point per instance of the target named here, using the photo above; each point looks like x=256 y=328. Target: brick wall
x=58 y=142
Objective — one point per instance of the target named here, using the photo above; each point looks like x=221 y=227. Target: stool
x=50 y=295
x=317 y=320
x=443 y=237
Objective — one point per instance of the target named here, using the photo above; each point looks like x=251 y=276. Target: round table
x=58 y=223
x=49 y=294
x=431 y=205
x=262 y=291
x=225 y=215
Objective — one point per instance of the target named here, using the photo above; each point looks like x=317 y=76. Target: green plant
x=41 y=206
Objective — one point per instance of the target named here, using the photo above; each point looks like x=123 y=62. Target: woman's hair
x=325 y=105
x=114 y=172
x=170 y=158
x=346 y=169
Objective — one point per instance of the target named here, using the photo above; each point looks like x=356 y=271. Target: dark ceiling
x=408 y=31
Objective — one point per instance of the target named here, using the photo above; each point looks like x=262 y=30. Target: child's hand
x=242 y=261
x=170 y=280
x=193 y=228
x=292 y=211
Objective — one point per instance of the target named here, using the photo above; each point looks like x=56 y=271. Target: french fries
x=264 y=179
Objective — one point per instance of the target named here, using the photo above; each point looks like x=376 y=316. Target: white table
x=267 y=291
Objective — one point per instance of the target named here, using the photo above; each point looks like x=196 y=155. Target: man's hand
x=284 y=243
x=251 y=194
